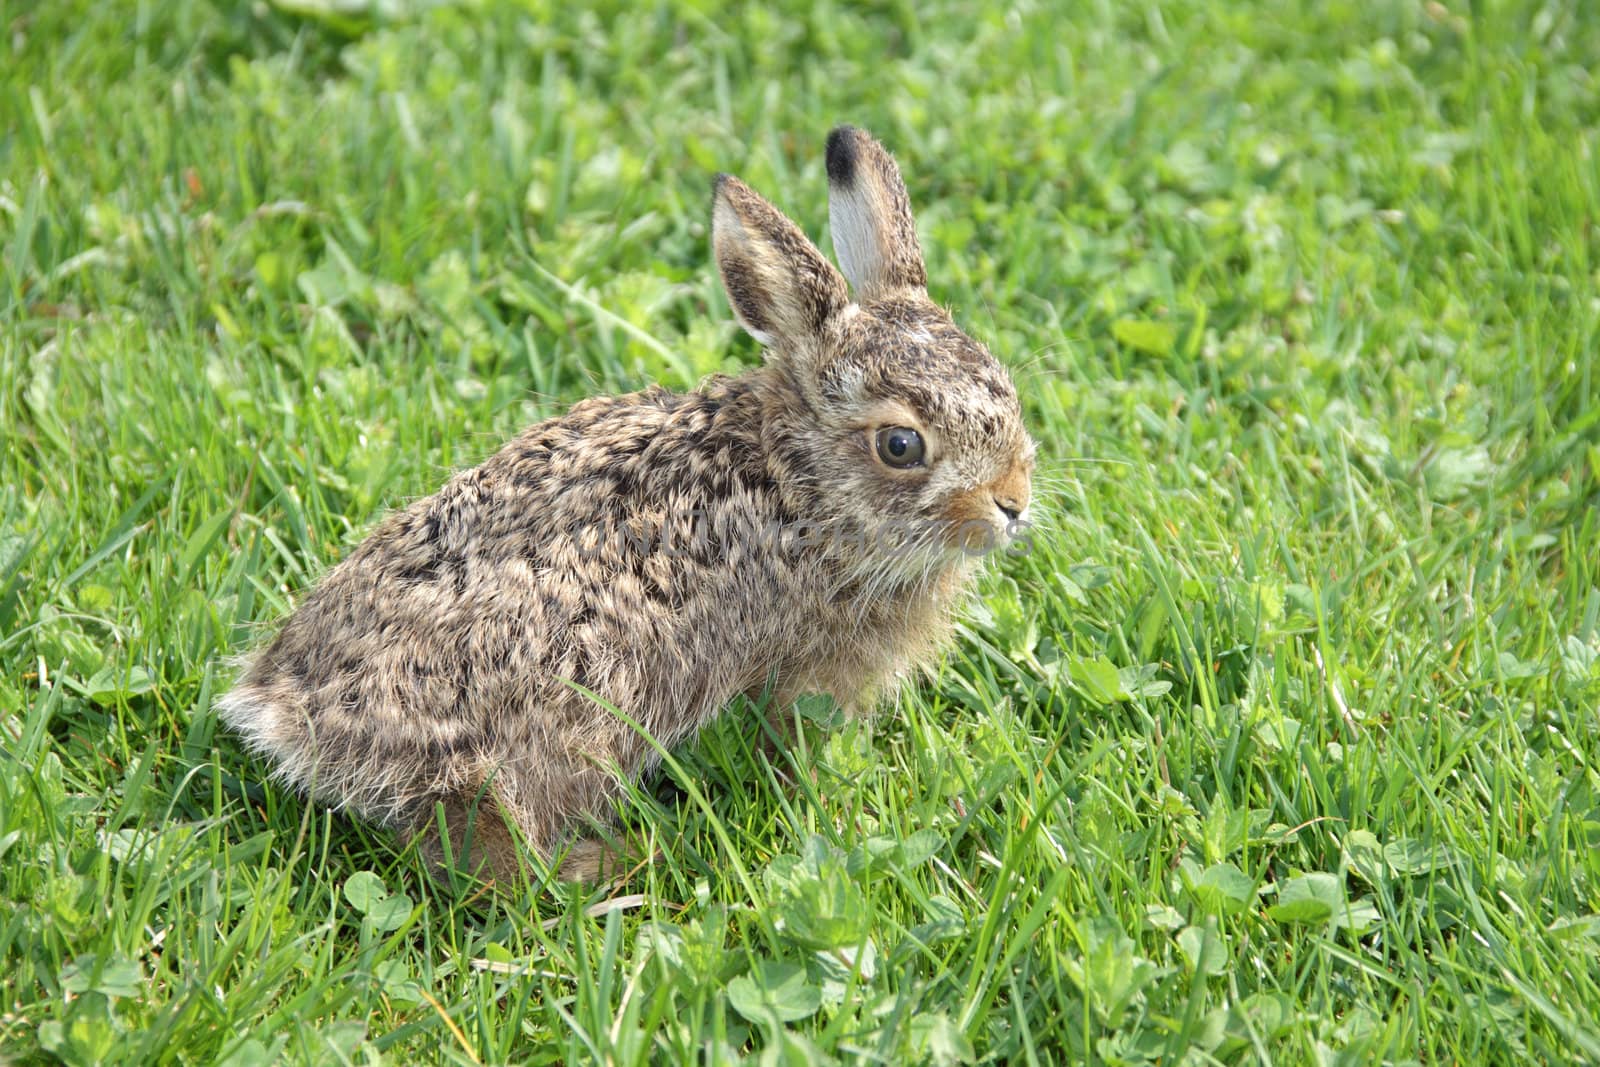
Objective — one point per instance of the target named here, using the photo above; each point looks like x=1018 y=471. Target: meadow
x=1280 y=745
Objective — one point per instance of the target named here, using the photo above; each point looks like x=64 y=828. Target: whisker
x=1087 y=461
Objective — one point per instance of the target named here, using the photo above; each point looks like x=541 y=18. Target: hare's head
x=907 y=422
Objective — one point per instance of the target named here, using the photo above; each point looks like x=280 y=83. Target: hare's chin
x=914 y=563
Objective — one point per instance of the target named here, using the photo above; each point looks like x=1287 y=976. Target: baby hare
x=807 y=526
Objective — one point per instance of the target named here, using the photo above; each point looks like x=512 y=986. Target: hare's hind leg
x=475 y=840
x=483 y=844
x=592 y=860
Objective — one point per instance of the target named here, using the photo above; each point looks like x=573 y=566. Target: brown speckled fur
x=432 y=666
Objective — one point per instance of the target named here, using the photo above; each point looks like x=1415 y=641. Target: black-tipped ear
x=874 y=235
x=782 y=289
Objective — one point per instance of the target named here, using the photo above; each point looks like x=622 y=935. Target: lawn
x=1280 y=746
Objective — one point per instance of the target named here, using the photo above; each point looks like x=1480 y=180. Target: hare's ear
x=782 y=289
x=874 y=235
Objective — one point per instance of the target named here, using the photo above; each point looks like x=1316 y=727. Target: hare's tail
x=270 y=728
x=387 y=777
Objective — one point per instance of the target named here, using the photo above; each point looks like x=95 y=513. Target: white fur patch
x=855 y=237
x=255 y=722
x=853 y=380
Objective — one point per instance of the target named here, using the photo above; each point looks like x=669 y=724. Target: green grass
x=1280 y=747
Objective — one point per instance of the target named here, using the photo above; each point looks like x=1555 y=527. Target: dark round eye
x=899 y=446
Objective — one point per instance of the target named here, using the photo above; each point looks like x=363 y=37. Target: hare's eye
x=899 y=446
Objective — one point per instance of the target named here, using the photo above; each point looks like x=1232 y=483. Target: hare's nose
x=1009 y=505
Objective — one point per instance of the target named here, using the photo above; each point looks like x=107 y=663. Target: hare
x=806 y=526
